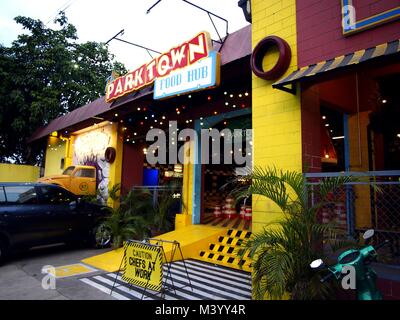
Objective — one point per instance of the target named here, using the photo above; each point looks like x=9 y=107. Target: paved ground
x=21 y=278
x=192 y=280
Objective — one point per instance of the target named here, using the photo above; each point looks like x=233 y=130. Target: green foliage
x=130 y=220
x=160 y=219
x=45 y=74
x=283 y=251
x=114 y=192
x=137 y=217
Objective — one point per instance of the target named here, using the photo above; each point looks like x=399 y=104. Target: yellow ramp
x=192 y=239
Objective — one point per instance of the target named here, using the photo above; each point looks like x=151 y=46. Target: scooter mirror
x=316 y=264
x=368 y=234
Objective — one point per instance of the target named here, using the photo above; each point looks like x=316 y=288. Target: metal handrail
x=388 y=173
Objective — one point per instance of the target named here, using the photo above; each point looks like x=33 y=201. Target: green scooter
x=358 y=261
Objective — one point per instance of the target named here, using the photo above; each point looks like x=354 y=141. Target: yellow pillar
x=117 y=142
x=69 y=152
x=185 y=218
x=276 y=114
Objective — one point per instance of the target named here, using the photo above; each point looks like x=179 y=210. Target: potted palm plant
x=283 y=250
x=130 y=219
x=161 y=213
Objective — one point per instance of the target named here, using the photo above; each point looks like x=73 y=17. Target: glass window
x=55 y=195
x=21 y=194
x=2 y=195
x=69 y=170
x=85 y=173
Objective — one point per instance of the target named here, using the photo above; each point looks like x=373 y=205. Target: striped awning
x=338 y=63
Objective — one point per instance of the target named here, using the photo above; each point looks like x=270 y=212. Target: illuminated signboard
x=189 y=67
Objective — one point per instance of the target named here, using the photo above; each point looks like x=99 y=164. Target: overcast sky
x=170 y=23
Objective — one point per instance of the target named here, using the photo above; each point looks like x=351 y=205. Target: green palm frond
x=114 y=192
x=282 y=251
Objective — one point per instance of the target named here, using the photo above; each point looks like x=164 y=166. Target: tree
x=43 y=75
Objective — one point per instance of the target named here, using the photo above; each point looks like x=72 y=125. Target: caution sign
x=143 y=265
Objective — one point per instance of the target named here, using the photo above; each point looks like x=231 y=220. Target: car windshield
x=69 y=171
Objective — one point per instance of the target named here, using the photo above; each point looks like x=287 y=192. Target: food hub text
x=177 y=58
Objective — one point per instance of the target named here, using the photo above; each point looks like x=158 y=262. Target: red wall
x=132 y=167
x=319 y=29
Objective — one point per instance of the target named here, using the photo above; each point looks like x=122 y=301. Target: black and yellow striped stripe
x=353 y=58
x=228 y=251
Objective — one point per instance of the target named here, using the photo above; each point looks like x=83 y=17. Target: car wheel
x=3 y=251
x=101 y=236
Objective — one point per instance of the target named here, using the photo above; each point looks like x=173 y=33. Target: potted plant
x=283 y=250
x=130 y=219
x=161 y=213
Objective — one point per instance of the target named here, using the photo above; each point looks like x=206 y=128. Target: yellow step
x=225 y=260
x=236 y=233
x=227 y=250
x=226 y=240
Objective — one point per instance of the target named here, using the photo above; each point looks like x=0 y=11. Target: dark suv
x=33 y=214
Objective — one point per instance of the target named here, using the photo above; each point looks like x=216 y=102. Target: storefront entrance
x=358 y=132
x=219 y=177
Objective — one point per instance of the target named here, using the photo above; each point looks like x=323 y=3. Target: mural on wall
x=89 y=150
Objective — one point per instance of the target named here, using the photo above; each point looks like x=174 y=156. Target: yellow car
x=80 y=180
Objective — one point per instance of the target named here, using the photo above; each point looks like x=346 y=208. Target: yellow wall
x=55 y=151
x=18 y=173
x=69 y=151
x=184 y=219
x=187 y=187
x=117 y=142
x=276 y=114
